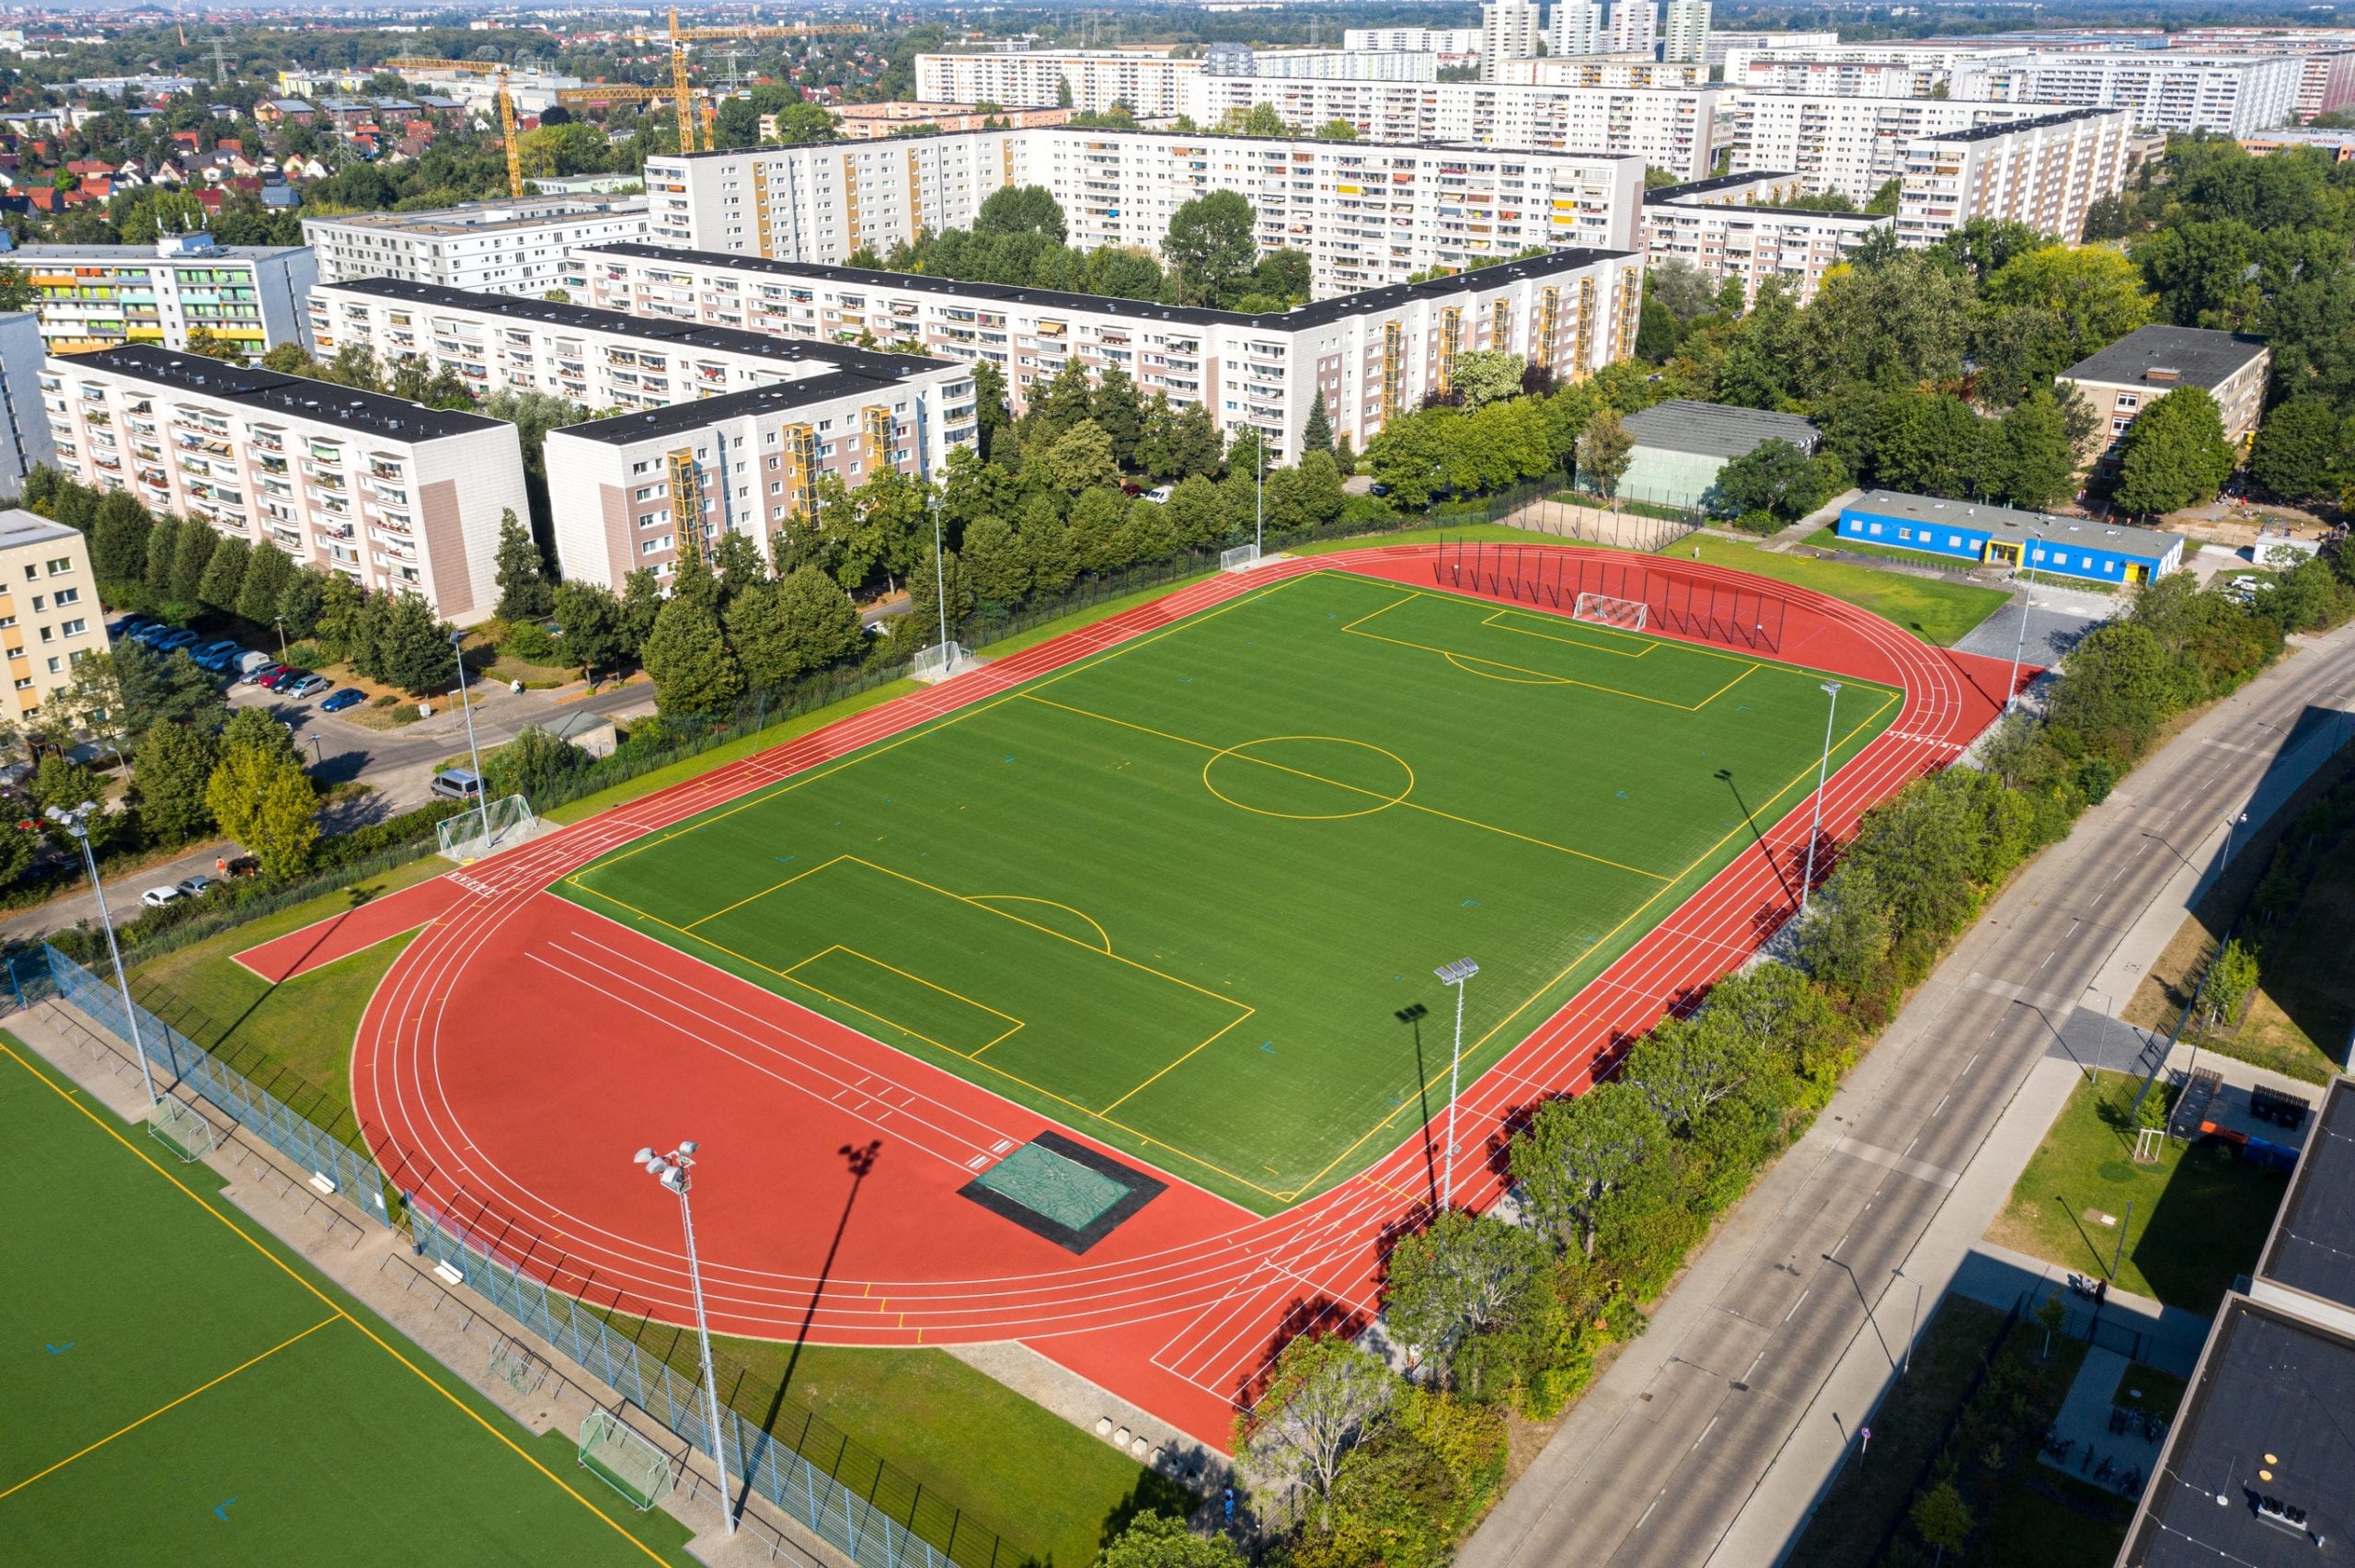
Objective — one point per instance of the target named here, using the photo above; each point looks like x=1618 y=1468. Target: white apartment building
x=1635 y=28
x=24 y=421
x=2044 y=172
x=1733 y=227
x=1673 y=128
x=1360 y=64
x=1850 y=145
x=1095 y=79
x=1373 y=355
x=1577 y=26
x=626 y=492
x=395 y=495
x=503 y=247
x=1782 y=71
x=1723 y=41
x=2166 y=90
x=1604 y=70
x=1687 y=36
x=597 y=358
x=96 y=296
x=1742 y=58
x=1509 y=29
x=1413 y=40
x=49 y=609
x=1367 y=215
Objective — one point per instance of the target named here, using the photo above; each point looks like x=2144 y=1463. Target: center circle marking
x=1248 y=752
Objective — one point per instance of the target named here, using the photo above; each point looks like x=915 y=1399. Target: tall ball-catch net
x=624 y=1461
x=1627 y=614
x=472 y=835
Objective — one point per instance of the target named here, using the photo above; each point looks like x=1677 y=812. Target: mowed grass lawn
x=1933 y=610
x=182 y=1390
x=2200 y=1214
x=1173 y=896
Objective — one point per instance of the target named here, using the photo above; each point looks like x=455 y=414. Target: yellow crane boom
x=679 y=38
x=496 y=71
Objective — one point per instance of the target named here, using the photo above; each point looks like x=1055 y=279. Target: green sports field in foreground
x=183 y=1390
x=1173 y=896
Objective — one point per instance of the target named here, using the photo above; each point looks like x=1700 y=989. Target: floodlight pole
x=2019 y=643
x=940 y=584
x=672 y=1170
x=1455 y=975
x=1260 y=493
x=1822 y=770
x=76 y=825
x=482 y=787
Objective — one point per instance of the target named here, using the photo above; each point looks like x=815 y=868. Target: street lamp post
x=1914 y=1326
x=674 y=1170
x=2230 y=823
x=2019 y=643
x=1823 y=770
x=76 y=825
x=280 y=621
x=482 y=790
x=1455 y=973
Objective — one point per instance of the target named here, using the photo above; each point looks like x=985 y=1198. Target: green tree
x=2030 y=461
x=1324 y=1397
x=224 y=573
x=1062 y=402
x=268 y=570
x=692 y=671
x=407 y=647
x=1941 y=1520
x=2094 y=293
x=641 y=601
x=118 y=539
x=995 y=562
x=2175 y=453
x=1081 y=458
x=523 y=590
x=1213 y=240
x=264 y=802
x=171 y=772
x=1577 y=1153
x=1336 y=130
x=2297 y=453
x=784 y=629
x=191 y=553
x=1119 y=413
x=1488 y=375
x=591 y=616
x=2233 y=978
x=531 y=765
x=1156 y=1540
x=1604 y=448
x=254 y=730
x=1463 y=1276
x=1020 y=210
x=1317 y=434
x=1775 y=478
x=66 y=785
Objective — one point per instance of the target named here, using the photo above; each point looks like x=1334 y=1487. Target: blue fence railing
x=176 y=1059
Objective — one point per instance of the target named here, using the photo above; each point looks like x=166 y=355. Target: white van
x=456 y=784
x=249 y=662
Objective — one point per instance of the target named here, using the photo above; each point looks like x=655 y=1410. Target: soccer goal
x=182 y=1129
x=471 y=835
x=1627 y=614
x=624 y=1461
x=512 y=1363
x=938 y=662
x=1241 y=558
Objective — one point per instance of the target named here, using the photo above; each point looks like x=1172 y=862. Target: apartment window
x=55 y=665
x=73 y=628
x=60 y=566
x=68 y=596
x=38 y=606
x=47 y=635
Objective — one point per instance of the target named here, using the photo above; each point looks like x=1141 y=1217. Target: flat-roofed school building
x=2004 y=536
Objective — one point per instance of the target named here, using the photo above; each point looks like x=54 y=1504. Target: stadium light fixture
x=482 y=787
x=675 y=1171
x=1455 y=975
x=76 y=826
x=1822 y=769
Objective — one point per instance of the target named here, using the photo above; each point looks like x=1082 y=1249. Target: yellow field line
x=175 y=1404
x=974 y=1055
x=1497 y=623
x=1351 y=788
x=471 y=1414
x=1172 y=1067
x=1729 y=686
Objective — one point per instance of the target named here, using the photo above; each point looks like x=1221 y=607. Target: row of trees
x=1617 y=1185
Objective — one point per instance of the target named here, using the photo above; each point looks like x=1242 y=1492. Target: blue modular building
x=1975 y=532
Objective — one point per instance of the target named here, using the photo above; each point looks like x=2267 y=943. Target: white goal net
x=1241 y=558
x=1627 y=614
x=182 y=1129
x=938 y=662
x=480 y=832
x=624 y=1461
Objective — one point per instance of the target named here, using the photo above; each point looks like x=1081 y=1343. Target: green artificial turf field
x=1173 y=896
x=180 y=1390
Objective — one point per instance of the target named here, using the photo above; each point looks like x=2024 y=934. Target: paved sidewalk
x=2084 y=1421
x=2169 y=1337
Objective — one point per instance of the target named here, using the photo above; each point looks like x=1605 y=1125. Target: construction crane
x=679 y=38
x=626 y=92
x=496 y=71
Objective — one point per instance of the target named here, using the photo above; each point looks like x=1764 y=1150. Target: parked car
x=456 y=784
x=1159 y=494
x=1130 y=487
x=173 y=641
x=249 y=662
x=350 y=697
x=150 y=632
x=156 y=897
x=197 y=886
x=304 y=686
x=285 y=676
x=118 y=630
x=214 y=657
x=260 y=674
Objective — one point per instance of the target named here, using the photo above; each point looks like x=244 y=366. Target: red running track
x=522 y=1046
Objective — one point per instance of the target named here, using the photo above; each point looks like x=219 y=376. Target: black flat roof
x=1672 y=193
x=2197 y=355
x=2313 y=1245
x=679 y=418
x=1324 y=313
x=2005 y=127
x=651 y=328
x=2271 y=1394
x=288 y=395
x=1469 y=149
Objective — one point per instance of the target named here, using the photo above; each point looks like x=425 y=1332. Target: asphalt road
x=397 y=765
x=1667 y=1449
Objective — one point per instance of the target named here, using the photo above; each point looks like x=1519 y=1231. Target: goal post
x=476 y=832
x=1626 y=614
x=512 y=1363
x=619 y=1456
x=938 y=662
x=185 y=1130
x=1241 y=558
